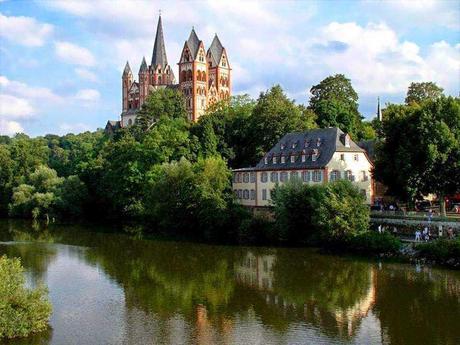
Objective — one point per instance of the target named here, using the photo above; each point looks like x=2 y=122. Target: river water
x=111 y=288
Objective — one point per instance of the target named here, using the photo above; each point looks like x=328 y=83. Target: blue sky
x=61 y=61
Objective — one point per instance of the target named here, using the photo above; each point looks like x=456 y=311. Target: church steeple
x=127 y=69
x=379 y=111
x=159 y=50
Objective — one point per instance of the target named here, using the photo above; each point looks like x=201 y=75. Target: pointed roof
x=159 y=50
x=143 y=67
x=216 y=49
x=379 y=111
x=127 y=69
x=193 y=43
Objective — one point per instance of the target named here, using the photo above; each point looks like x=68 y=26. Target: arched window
x=130 y=122
x=159 y=79
x=203 y=76
x=198 y=75
x=183 y=76
x=189 y=75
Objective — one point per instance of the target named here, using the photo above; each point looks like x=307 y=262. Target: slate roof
x=143 y=67
x=127 y=69
x=330 y=140
x=369 y=147
x=159 y=49
x=216 y=50
x=193 y=43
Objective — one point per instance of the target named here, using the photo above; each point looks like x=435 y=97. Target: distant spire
x=159 y=50
x=127 y=69
x=379 y=111
x=143 y=67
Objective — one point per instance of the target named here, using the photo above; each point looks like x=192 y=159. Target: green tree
x=6 y=178
x=335 y=102
x=325 y=212
x=426 y=159
x=229 y=121
x=22 y=311
x=273 y=116
x=160 y=103
x=420 y=92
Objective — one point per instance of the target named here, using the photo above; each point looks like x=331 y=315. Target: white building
x=316 y=156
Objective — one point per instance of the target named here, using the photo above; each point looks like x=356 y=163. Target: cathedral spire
x=216 y=49
x=379 y=111
x=143 y=67
x=127 y=69
x=159 y=50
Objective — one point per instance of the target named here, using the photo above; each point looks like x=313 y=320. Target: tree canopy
x=420 y=92
x=426 y=158
x=335 y=102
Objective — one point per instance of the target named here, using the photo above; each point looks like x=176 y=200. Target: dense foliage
x=426 y=159
x=22 y=311
x=324 y=212
x=421 y=92
x=442 y=251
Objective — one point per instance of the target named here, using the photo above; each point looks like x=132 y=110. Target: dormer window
x=347 y=140
x=292 y=158
x=314 y=155
x=304 y=158
x=283 y=159
x=266 y=160
x=307 y=143
x=283 y=146
x=274 y=160
x=318 y=142
x=294 y=144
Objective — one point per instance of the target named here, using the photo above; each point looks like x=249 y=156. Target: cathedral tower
x=127 y=80
x=219 y=84
x=193 y=76
x=160 y=71
x=143 y=82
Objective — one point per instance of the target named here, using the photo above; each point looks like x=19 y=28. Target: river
x=112 y=288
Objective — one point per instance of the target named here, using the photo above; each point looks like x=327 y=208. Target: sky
x=61 y=61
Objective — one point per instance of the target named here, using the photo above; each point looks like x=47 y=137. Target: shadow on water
x=120 y=289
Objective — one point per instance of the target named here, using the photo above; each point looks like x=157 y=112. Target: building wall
x=357 y=167
x=258 y=186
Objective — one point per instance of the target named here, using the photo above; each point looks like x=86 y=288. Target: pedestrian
x=430 y=215
x=379 y=228
x=417 y=235
x=426 y=235
x=450 y=233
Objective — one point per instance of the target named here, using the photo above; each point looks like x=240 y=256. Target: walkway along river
x=109 y=288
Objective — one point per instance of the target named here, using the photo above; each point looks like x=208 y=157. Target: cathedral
x=204 y=78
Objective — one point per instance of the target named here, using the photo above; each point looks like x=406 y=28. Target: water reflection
x=118 y=289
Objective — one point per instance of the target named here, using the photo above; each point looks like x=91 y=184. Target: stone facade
x=204 y=77
x=313 y=157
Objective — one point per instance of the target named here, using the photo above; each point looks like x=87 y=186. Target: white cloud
x=10 y=127
x=12 y=107
x=24 y=30
x=74 y=54
x=87 y=95
x=20 y=89
x=86 y=74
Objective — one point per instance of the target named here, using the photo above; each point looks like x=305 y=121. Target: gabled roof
x=330 y=140
x=216 y=50
x=193 y=43
x=127 y=69
x=159 y=49
x=143 y=67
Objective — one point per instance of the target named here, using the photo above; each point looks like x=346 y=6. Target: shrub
x=441 y=250
x=332 y=211
x=258 y=230
x=22 y=311
x=374 y=243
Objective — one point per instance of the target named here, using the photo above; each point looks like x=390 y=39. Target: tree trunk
x=442 y=205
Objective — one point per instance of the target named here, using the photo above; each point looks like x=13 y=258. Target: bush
x=441 y=250
x=22 y=311
x=327 y=212
x=258 y=230
x=373 y=243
